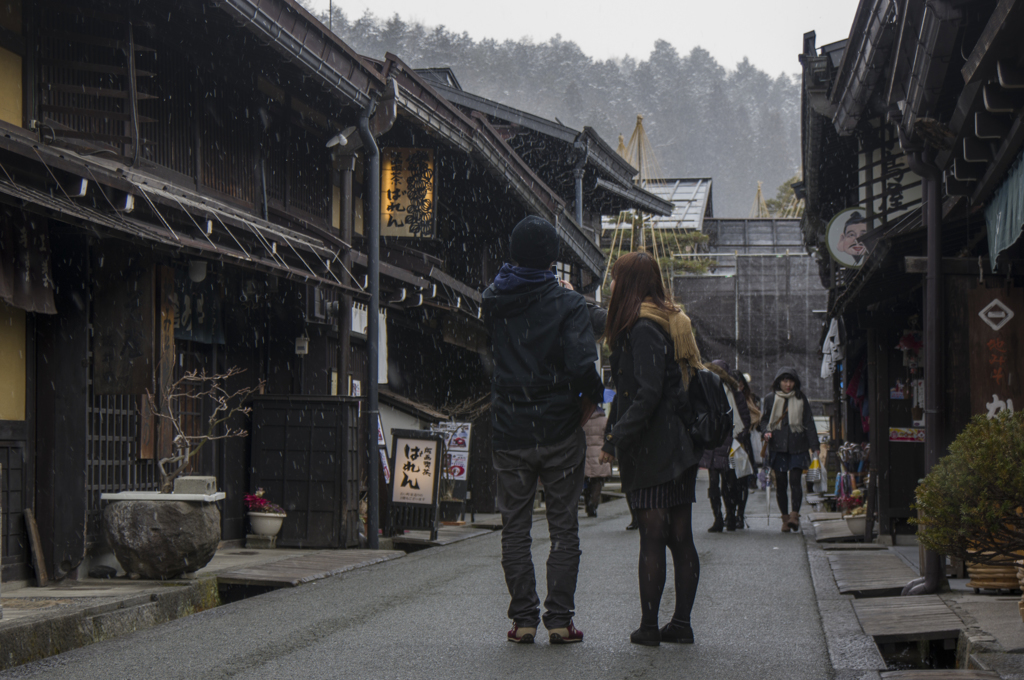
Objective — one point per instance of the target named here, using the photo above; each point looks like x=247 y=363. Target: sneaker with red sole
x=522 y=634
x=564 y=636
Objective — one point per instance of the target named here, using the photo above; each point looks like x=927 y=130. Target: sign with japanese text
x=887 y=187
x=995 y=336
x=407 y=207
x=416 y=468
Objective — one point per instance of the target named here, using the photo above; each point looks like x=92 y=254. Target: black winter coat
x=645 y=434
x=544 y=354
x=718 y=459
x=784 y=440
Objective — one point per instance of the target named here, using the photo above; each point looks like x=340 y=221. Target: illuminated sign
x=407 y=207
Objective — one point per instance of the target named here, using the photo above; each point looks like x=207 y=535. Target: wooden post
x=38 y=561
x=165 y=365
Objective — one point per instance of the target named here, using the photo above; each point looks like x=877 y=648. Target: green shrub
x=971 y=501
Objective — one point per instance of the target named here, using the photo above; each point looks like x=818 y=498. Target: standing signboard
x=457 y=438
x=995 y=318
x=418 y=457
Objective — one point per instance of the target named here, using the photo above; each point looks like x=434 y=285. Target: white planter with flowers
x=265 y=518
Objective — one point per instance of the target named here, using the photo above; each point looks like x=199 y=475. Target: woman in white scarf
x=791 y=436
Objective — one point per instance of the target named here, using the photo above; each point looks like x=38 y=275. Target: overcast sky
x=768 y=32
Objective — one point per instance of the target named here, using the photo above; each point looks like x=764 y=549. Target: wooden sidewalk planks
x=295 y=571
x=445 y=536
x=870 y=573
x=905 y=619
x=940 y=674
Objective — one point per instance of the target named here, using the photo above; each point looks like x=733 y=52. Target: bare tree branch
x=198 y=388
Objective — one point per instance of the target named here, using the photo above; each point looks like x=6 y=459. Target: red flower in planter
x=256 y=502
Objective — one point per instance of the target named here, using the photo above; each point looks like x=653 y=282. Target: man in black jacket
x=544 y=372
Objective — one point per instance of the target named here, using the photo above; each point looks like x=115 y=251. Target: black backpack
x=706 y=411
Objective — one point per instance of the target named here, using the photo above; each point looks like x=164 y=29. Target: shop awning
x=1004 y=215
x=76 y=213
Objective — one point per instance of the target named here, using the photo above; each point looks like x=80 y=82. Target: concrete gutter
x=92 y=611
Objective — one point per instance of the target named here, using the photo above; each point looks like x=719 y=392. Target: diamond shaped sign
x=996 y=314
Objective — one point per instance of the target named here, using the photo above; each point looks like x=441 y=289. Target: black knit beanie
x=534 y=243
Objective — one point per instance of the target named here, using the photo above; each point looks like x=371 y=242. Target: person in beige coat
x=596 y=472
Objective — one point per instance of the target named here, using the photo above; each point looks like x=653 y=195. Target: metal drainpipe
x=930 y=179
x=372 y=232
x=578 y=173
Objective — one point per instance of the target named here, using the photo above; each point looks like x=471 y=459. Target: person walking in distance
x=596 y=471
x=744 y=485
x=654 y=355
x=544 y=387
x=791 y=436
x=723 y=481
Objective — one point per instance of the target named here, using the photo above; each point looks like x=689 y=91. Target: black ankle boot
x=677 y=632
x=719 y=524
x=650 y=637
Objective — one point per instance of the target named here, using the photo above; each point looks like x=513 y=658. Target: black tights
x=659 y=529
x=794 y=486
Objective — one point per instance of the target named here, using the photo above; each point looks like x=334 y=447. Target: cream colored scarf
x=795 y=408
x=678 y=326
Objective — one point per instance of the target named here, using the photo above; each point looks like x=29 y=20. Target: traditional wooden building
x=167 y=203
x=912 y=138
x=183 y=186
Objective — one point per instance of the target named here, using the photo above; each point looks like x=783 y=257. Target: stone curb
x=41 y=638
x=852 y=653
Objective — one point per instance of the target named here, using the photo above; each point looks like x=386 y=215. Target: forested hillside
x=736 y=125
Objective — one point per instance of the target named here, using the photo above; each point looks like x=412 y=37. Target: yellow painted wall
x=336 y=207
x=10 y=66
x=12 y=363
x=10 y=87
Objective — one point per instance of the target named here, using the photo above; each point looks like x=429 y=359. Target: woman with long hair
x=654 y=354
x=791 y=437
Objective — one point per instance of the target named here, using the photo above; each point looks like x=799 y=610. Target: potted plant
x=970 y=504
x=163 y=534
x=265 y=517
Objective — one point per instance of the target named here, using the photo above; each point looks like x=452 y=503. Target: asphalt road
x=441 y=614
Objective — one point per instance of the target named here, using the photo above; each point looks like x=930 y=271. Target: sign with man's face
x=844 y=235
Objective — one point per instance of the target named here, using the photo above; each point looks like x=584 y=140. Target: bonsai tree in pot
x=194 y=389
x=970 y=504
x=161 y=535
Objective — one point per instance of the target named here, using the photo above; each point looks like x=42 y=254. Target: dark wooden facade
x=877 y=108
x=170 y=162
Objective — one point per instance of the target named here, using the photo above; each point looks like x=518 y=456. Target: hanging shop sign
x=407 y=206
x=995 y=332
x=843 y=237
x=887 y=188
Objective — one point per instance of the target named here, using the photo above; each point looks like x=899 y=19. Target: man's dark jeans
x=560 y=468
